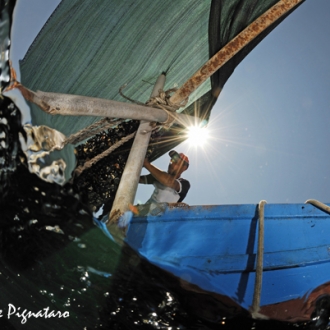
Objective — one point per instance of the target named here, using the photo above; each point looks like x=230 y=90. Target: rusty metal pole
x=232 y=48
x=129 y=181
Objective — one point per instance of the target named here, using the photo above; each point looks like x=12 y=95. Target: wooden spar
x=232 y=48
x=130 y=178
x=77 y=105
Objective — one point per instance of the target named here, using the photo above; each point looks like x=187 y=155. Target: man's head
x=179 y=163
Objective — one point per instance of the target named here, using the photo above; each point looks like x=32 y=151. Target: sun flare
x=197 y=136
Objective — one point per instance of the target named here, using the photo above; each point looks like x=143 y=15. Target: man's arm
x=147 y=179
x=164 y=178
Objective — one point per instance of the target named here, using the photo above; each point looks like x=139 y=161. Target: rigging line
x=127 y=98
x=103 y=154
x=319 y=205
x=162 y=101
x=93 y=129
x=259 y=267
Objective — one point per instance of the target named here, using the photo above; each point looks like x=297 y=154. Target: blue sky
x=270 y=127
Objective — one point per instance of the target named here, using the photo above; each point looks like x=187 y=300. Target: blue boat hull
x=214 y=249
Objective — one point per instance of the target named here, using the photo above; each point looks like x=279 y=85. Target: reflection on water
x=56 y=264
x=10 y=116
x=39 y=147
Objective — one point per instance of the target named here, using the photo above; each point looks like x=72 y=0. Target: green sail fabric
x=93 y=47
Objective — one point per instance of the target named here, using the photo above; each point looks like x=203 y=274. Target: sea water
x=59 y=271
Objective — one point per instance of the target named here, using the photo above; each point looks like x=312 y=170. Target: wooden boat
x=214 y=249
x=280 y=273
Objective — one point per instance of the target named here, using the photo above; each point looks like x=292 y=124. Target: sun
x=197 y=136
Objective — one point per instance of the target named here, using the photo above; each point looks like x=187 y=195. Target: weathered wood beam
x=77 y=105
x=130 y=178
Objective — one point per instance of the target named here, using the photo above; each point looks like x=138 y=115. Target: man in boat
x=169 y=186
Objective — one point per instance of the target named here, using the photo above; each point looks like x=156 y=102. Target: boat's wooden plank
x=216 y=264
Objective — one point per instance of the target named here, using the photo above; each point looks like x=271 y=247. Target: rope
x=259 y=267
x=91 y=130
x=105 y=153
x=126 y=97
x=161 y=101
x=319 y=205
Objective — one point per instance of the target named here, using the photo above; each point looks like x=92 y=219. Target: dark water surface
x=55 y=263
